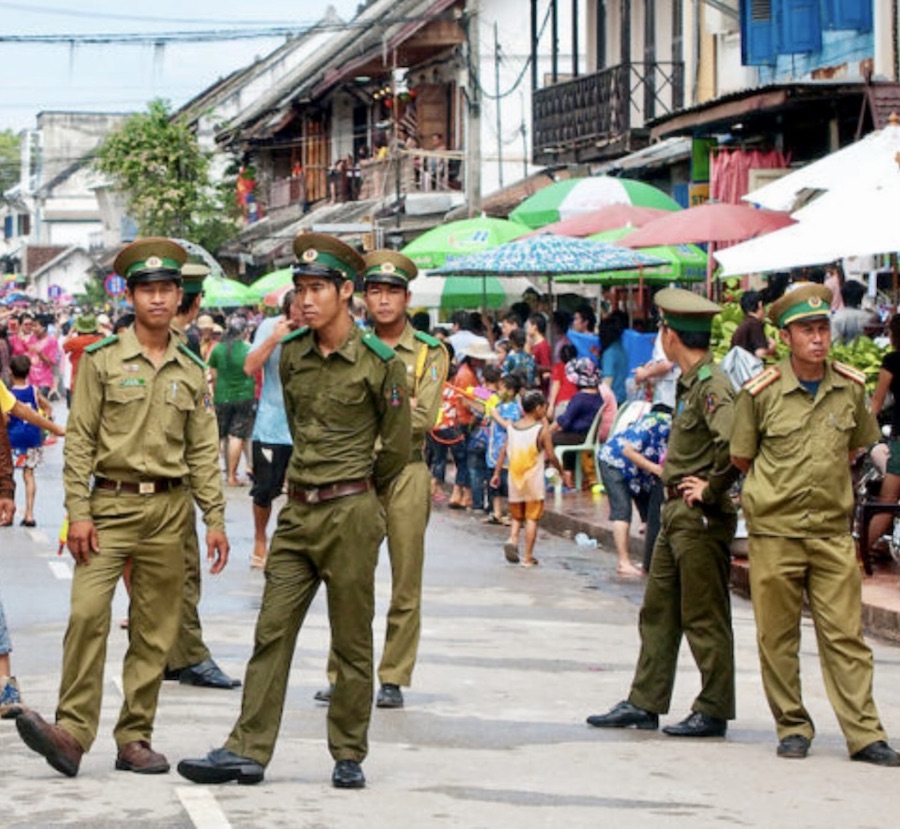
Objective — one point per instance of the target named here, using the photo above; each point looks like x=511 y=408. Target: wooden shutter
x=757 y=32
x=799 y=26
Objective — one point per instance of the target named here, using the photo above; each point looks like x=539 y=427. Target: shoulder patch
x=849 y=372
x=762 y=380
x=102 y=343
x=421 y=336
x=382 y=349
x=704 y=373
x=183 y=348
x=295 y=334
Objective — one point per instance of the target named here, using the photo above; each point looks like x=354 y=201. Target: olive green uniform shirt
x=337 y=406
x=799 y=482
x=701 y=426
x=426 y=371
x=133 y=422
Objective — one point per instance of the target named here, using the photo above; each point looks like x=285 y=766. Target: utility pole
x=473 y=130
x=497 y=104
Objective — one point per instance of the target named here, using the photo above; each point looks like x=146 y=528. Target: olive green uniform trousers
x=780 y=570
x=336 y=543
x=150 y=530
x=407 y=509
x=189 y=646
x=687 y=595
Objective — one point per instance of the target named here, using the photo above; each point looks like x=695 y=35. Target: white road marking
x=202 y=807
x=61 y=569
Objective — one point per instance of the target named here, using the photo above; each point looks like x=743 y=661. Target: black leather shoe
x=348 y=774
x=207 y=674
x=698 y=724
x=172 y=674
x=389 y=696
x=324 y=694
x=222 y=766
x=878 y=754
x=793 y=747
x=625 y=715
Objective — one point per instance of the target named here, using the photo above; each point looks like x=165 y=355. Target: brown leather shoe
x=54 y=743
x=137 y=756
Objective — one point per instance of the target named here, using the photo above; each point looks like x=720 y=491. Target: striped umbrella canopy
x=450 y=293
x=449 y=241
x=576 y=196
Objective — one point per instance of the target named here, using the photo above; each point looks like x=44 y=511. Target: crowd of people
x=353 y=418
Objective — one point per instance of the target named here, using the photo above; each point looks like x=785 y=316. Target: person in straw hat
x=796 y=425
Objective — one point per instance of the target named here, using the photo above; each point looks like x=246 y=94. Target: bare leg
x=260 y=541
x=234 y=458
x=890 y=494
x=531 y=528
x=4 y=665
x=624 y=567
x=28 y=477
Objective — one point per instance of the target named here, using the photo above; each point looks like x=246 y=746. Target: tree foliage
x=9 y=160
x=155 y=161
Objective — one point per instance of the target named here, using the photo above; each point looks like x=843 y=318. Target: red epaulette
x=849 y=372
x=761 y=381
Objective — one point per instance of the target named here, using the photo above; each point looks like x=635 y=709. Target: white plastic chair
x=588 y=445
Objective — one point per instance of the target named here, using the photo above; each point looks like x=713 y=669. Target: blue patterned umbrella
x=548 y=255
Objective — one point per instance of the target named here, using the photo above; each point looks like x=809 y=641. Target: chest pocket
x=346 y=407
x=837 y=427
x=124 y=405
x=179 y=404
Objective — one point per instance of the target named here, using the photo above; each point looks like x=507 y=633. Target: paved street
x=493 y=735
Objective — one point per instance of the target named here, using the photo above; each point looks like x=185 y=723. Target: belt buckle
x=312 y=495
x=147 y=488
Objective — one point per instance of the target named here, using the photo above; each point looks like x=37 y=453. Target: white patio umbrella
x=865 y=162
x=848 y=221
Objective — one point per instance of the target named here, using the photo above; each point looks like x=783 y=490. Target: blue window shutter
x=757 y=32
x=799 y=26
x=849 y=14
x=8 y=227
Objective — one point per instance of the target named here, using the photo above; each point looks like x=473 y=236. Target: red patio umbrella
x=611 y=217
x=715 y=223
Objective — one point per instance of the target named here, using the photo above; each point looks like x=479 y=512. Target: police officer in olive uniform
x=795 y=425
x=347 y=406
x=687 y=591
x=142 y=441
x=408 y=501
x=190 y=661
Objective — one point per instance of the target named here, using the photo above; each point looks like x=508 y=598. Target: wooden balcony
x=598 y=116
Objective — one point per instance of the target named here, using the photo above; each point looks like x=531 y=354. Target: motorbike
x=867 y=474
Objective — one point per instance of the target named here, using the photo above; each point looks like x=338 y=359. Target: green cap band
x=811 y=308
x=380 y=270
x=323 y=259
x=699 y=323
x=154 y=263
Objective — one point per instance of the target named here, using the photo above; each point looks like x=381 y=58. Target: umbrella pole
x=709 y=270
x=895 y=283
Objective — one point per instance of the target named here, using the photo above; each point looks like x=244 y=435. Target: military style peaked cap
x=319 y=254
x=801 y=301
x=152 y=259
x=192 y=276
x=685 y=311
x=389 y=267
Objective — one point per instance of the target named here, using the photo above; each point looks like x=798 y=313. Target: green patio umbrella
x=273 y=281
x=683 y=263
x=450 y=293
x=446 y=242
x=225 y=293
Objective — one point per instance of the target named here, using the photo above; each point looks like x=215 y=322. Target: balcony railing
x=576 y=115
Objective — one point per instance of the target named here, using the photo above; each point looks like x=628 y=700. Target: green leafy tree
x=9 y=160
x=154 y=160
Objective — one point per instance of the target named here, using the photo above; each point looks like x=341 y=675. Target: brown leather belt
x=672 y=492
x=329 y=492
x=139 y=487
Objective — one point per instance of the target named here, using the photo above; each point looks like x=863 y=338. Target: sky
x=111 y=77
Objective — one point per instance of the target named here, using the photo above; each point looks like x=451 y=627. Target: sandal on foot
x=511 y=551
x=530 y=563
